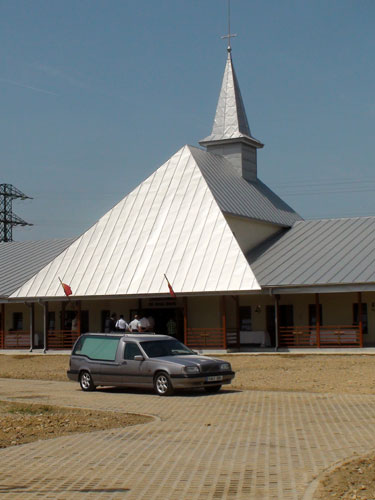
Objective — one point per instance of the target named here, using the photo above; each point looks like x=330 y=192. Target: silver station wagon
x=144 y=360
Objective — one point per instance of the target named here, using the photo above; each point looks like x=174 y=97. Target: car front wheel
x=86 y=382
x=211 y=389
x=162 y=384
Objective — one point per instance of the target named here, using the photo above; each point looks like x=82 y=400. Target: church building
x=205 y=243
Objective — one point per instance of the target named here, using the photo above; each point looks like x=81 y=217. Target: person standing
x=134 y=325
x=144 y=324
x=121 y=324
x=112 y=322
x=75 y=323
x=171 y=327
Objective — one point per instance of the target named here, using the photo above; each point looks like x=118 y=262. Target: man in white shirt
x=121 y=324
x=134 y=325
x=144 y=324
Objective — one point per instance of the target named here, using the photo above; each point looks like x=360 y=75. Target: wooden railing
x=61 y=339
x=17 y=339
x=205 y=337
x=232 y=337
x=328 y=336
x=20 y=339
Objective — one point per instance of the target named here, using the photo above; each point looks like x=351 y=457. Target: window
x=286 y=315
x=101 y=348
x=51 y=320
x=160 y=348
x=17 y=321
x=131 y=350
x=364 y=316
x=312 y=314
x=245 y=319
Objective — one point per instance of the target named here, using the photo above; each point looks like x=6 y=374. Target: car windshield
x=169 y=347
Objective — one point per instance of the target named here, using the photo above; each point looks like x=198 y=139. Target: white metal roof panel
x=320 y=252
x=171 y=223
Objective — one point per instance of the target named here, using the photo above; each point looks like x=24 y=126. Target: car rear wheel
x=86 y=381
x=212 y=388
x=162 y=384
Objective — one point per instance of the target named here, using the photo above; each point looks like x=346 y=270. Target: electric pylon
x=8 y=219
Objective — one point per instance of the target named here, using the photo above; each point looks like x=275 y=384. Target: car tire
x=212 y=389
x=86 y=382
x=162 y=384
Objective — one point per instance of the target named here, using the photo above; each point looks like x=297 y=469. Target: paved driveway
x=232 y=445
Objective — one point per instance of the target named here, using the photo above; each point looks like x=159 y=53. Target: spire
x=230 y=119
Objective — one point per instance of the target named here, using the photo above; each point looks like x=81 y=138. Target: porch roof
x=318 y=252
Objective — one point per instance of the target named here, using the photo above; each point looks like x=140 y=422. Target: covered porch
x=210 y=322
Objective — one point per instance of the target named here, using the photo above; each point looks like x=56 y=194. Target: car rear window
x=101 y=348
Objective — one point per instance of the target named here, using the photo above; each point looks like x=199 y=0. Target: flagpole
x=171 y=291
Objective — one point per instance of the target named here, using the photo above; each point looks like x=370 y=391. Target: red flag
x=67 y=289
x=171 y=291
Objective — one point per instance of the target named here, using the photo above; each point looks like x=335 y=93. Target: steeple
x=231 y=136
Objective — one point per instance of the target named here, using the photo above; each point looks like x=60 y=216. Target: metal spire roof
x=230 y=119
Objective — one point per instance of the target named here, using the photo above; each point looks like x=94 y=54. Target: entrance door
x=162 y=316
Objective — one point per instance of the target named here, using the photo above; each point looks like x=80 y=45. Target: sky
x=95 y=95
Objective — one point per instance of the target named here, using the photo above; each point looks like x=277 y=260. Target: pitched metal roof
x=20 y=260
x=320 y=252
x=230 y=120
x=237 y=196
x=171 y=223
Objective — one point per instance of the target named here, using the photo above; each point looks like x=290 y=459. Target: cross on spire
x=229 y=35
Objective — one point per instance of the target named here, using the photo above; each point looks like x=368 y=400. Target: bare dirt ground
x=338 y=373
x=22 y=423
x=324 y=373
x=352 y=480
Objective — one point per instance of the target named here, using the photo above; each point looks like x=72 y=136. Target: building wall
x=337 y=309
x=258 y=304
x=204 y=312
x=17 y=308
x=250 y=233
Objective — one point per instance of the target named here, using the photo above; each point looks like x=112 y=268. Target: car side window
x=131 y=350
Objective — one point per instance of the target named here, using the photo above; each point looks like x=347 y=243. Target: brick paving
x=231 y=445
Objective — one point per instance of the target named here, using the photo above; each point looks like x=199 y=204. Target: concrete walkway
x=232 y=445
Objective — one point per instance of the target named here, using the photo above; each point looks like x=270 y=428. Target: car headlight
x=225 y=367
x=191 y=369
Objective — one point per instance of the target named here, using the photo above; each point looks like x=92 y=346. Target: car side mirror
x=138 y=357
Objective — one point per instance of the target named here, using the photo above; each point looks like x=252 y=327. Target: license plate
x=214 y=378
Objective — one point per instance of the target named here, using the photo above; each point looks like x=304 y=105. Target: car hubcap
x=85 y=380
x=162 y=384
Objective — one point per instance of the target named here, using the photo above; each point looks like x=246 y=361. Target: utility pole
x=8 y=219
